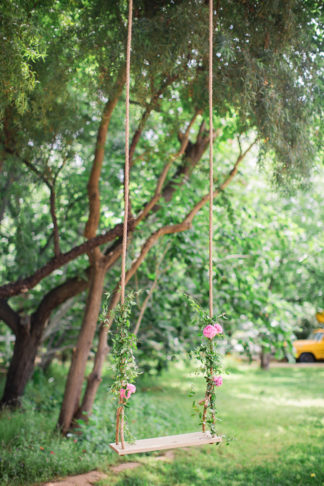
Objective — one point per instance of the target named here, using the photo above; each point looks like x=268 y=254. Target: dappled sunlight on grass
x=266 y=416
x=279 y=400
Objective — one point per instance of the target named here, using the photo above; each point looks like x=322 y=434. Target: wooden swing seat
x=166 y=442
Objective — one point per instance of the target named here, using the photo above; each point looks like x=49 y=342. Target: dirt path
x=92 y=477
x=87 y=479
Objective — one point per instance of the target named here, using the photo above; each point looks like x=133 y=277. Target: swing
x=182 y=440
x=166 y=442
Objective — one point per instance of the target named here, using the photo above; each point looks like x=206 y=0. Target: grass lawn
x=274 y=423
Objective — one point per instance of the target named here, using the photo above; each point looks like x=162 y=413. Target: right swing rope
x=209 y=395
x=211 y=157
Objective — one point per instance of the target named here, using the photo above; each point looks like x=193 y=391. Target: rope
x=120 y=410
x=126 y=177
x=211 y=174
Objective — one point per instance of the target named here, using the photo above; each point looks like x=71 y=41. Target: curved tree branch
x=24 y=284
x=184 y=138
x=54 y=298
x=192 y=155
x=93 y=183
x=9 y=316
x=149 y=107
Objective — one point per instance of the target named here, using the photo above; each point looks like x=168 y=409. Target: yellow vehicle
x=311 y=349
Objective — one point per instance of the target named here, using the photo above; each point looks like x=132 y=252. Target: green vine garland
x=124 y=363
x=211 y=367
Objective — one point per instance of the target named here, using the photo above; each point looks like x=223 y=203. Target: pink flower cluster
x=126 y=392
x=218 y=380
x=210 y=331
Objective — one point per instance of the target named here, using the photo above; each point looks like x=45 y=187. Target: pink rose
x=209 y=331
x=126 y=393
x=130 y=389
x=218 y=328
x=218 y=380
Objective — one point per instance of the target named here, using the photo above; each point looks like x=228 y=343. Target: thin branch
x=239 y=143
x=137 y=290
x=59 y=169
x=54 y=220
x=192 y=156
x=158 y=190
x=33 y=169
x=150 y=293
x=223 y=186
x=201 y=132
x=149 y=108
x=52 y=351
x=46 y=245
x=51 y=187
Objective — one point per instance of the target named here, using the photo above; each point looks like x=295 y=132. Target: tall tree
x=58 y=142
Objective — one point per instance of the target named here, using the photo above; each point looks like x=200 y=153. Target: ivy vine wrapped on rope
x=124 y=363
x=211 y=361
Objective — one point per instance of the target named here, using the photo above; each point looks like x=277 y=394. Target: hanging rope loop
x=120 y=410
x=126 y=172
x=211 y=156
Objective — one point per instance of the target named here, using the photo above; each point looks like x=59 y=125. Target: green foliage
x=124 y=344
x=21 y=44
x=267 y=270
x=211 y=363
x=31 y=449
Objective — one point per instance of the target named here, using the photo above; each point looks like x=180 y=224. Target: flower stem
x=122 y=429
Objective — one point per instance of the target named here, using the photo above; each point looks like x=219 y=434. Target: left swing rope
x=120 y=410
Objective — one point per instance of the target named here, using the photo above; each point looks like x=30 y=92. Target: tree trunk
x=20 y=369
x=28 y=331
x=265 y=359
x=94 y=379
x=73 y=387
